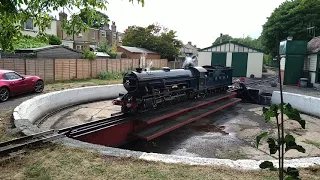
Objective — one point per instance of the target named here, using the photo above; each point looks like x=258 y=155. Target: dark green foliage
x=273 y=147
x=258 y=138
x=293 y=173
x=267 y=165
x=291 y=18
x=276 y=145
x=248 y=41
x=54 y=40
x=154 y=38
x=89 y=55
x=223 y=38
x=98 y=22
x=106 y=48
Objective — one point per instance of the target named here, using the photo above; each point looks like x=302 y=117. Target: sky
x=198 y=21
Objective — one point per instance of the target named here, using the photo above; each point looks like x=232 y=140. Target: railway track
x=8 y=147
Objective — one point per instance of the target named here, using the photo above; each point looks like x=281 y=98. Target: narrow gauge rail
x=74 y=131
x=144 y=130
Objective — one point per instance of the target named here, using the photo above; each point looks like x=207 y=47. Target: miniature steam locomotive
x=148 y=90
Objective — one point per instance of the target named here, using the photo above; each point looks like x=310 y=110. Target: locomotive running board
x=181 y=108
x=173 y=123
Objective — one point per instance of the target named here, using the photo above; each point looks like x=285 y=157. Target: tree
x=106 y=48
x=155 y=38
x=291 y=18
x=223 y=38
x=54 y=40
x=249 y=41
x=15 y=13
x=96 y=23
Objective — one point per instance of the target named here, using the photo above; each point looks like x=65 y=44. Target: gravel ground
x=231 y=133
x=264 y=84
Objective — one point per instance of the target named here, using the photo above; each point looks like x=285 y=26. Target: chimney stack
x=62 y=15
x=106 y=26
x=190 y=43
x=220 y=37
x=113 y=27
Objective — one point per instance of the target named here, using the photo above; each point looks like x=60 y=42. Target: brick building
x=90 y=38
x=136 y=53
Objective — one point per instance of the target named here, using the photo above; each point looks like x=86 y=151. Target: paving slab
x=80 y=114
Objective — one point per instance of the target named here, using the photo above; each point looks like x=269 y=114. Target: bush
x=89 y=55
x=110 y=75
x=54 y=40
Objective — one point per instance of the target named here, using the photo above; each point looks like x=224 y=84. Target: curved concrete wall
x=306 y=104
x=37 y=107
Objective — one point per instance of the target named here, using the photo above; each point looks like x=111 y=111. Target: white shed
x=244 y=60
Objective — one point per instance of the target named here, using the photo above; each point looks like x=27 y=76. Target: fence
x=66 y=69
x=175 y=65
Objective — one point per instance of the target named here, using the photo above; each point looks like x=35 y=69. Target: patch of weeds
x=98 y=169
x=5 y=122
x=234 y=155
x=314 y=143
x=36 y=171
x=101 y=117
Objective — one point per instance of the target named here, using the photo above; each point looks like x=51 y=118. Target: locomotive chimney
x=166 y=69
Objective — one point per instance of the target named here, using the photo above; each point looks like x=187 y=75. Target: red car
x=12 y=83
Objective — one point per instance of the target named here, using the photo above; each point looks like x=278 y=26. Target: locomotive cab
x=200 y=73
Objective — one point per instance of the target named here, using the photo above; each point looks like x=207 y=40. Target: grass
x=59 y=162
x=77 y=83
x=314 y=143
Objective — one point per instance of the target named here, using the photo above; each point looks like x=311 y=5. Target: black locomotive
x=152 y=89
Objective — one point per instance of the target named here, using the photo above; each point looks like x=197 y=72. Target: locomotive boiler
x=148 y=90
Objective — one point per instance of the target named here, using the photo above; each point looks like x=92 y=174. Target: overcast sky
x=198 y=21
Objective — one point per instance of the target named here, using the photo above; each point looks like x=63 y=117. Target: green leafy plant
x=89 y=55
x=26 y=42
x=106 y=48
x=282 y=144
x=110 y=75
x=54 y=40
x=155 y=38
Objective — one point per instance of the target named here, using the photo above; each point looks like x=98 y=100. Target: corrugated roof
x=138 y=50
x=101 y=54
x=44 y=48
x=239 y=44
x=314 y=45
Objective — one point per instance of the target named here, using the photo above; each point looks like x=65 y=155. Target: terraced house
x=88 y=39
x=91 y=38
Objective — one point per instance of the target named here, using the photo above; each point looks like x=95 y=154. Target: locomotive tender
x=152 y=89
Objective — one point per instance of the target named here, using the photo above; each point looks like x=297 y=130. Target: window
x=29 y=24
x=11 y=76
x=120 y=39
x=103 y=34
x=79 y=47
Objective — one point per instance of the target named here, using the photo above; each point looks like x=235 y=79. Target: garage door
x=293 y=69
x=239 y=64
x=219 y=58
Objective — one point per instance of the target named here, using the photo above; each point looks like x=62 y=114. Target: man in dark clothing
x=243 y=92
